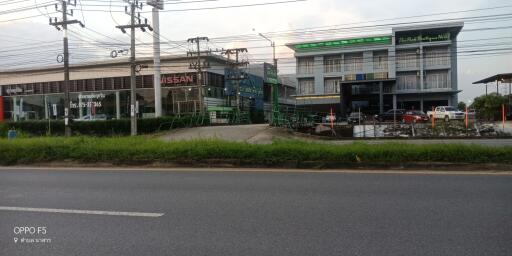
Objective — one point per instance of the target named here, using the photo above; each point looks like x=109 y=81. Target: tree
x=488 y=107
x=461 y=106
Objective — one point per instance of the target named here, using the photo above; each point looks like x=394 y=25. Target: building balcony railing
x=408 y=88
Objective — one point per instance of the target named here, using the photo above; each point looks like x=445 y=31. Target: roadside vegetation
x=143 y=150
x=103 y=128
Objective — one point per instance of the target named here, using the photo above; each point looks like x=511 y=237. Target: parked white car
x=447 y=113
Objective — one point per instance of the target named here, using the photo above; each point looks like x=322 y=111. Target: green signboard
x=423 y=38
x=344 y=43
x=270 y=75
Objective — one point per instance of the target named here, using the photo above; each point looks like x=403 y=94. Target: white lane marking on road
x=94 y=212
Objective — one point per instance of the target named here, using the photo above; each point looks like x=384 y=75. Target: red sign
x=177 y=79
x=1 y=108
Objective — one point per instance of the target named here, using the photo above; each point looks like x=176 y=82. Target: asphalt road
x=257 y=213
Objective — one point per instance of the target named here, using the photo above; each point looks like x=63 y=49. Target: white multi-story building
x=415 y=67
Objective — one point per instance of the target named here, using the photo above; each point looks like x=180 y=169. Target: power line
x=214 y=8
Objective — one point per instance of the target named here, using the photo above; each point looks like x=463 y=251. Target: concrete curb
x=297 y=165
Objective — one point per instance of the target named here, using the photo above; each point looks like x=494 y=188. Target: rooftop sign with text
x=344 y=43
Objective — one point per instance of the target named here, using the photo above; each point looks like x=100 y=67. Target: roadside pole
x=65 y=57
x=157 y=5
x=134 y=4
x=274 y=86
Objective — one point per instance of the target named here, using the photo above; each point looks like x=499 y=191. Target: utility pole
x=237 y=74
x=133 y=5
x=64 y=23
x=157 y=5
x=274 y=90
x=199 y=67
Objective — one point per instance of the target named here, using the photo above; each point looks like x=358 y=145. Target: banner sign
x=178 y=80
x=424 y=38
x=251 y=86
x=269 y=74
x=91 y=101
x=16 y=90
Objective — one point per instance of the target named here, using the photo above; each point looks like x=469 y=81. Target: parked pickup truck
x=447 y=113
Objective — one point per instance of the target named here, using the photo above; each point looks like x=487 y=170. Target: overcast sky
x=31 y=38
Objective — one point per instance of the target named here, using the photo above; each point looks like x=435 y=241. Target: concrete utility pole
x=199 y=67
x=274 y=90
x=238 y=75
x=157 y=5
x=133 y=5
x=64 y=23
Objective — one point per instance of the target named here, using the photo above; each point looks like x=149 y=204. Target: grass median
x=142 y=150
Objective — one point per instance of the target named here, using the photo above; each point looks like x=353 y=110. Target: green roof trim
x=344 y=43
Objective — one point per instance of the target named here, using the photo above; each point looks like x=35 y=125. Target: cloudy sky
x=31 y=41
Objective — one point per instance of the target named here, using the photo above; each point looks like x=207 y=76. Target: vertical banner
x=1 y=108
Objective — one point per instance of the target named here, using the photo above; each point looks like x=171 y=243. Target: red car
x=414 y=116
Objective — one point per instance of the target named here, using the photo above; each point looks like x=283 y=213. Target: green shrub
x=127 y=150
x=108 y=127
x=3 y=130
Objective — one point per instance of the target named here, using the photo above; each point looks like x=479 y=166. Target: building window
x=38 y=88
x=305 y=66
x=332 y=64
x=407 y=82
x=407 y=59
x=98 y=84
x=54 y=87
x=107 y=82
x=380 y=61
x=332 y=86
x=354 y=62
x=437 y=80
x=436 y=57
x=89 y=85
x=306 y=87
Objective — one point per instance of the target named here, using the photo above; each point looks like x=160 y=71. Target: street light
x=275 y=105
x=273 y=45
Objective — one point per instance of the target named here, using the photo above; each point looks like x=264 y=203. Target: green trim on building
x=344 y=43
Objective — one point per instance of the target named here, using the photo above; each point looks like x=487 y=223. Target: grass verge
x=141 y=150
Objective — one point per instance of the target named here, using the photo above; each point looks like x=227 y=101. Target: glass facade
x=107 y=98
